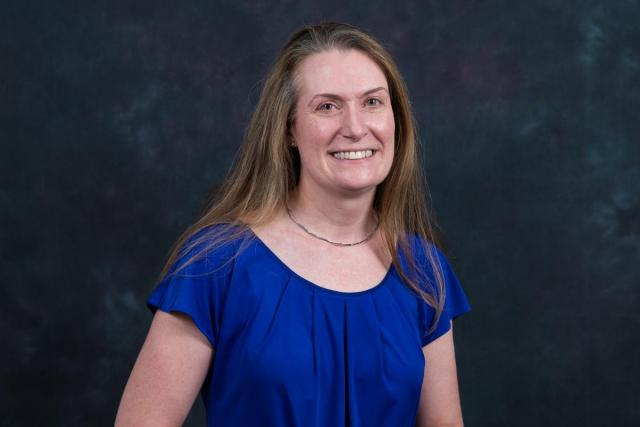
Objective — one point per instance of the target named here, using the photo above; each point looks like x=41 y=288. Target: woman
x=310 y=292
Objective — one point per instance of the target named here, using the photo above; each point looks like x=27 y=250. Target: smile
x=353 y=155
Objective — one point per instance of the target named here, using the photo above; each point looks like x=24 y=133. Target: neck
x=333 y=216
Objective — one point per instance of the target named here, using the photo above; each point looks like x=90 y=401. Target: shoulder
x=424 y=262
x=423 y=249
x=210 y=248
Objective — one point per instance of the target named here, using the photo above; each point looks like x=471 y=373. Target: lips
x=353 y=155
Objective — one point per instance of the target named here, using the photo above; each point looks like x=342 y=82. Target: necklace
x=369 y=236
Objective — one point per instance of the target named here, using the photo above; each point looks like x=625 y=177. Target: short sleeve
x=456 y=304
x=197 y=290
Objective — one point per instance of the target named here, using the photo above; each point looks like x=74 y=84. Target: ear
x=290 y=137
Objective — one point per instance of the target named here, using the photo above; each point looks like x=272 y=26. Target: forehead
x=340 y=72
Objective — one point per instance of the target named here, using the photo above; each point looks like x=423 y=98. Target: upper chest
x=345 y=269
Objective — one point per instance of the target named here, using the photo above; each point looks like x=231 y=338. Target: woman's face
x=344 y=126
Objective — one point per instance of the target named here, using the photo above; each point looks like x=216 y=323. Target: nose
x=353 y=125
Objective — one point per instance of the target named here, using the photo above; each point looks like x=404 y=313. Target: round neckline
x=313 y=285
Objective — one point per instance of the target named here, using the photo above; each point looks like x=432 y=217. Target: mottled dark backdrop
x=117 y=120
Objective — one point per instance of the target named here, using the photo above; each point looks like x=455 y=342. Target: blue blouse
x=289 y=352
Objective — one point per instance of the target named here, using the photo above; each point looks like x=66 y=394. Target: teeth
x=353 y=155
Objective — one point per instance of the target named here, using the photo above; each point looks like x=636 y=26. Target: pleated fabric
x=288 y=352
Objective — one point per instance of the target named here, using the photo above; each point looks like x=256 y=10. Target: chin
x=359 y=187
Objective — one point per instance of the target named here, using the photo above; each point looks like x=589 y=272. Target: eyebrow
x=334 y=96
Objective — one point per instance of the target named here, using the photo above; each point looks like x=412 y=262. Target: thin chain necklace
x=327 y=240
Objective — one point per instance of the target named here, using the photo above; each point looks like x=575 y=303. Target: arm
x=439 y=399
x=167 y=375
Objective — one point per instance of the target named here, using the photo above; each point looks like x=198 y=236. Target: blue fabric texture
x=289 y=352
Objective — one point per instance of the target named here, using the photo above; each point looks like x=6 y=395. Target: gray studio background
x=117 y=121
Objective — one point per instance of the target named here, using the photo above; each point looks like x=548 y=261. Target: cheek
x=314 y=131
x=387 y=132
x=385 y=129
x=313 y=137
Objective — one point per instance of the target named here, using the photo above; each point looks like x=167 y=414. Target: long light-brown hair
x=267 y=169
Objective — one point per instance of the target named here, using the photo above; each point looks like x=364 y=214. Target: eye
x=372 y=102
x=327 y=106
